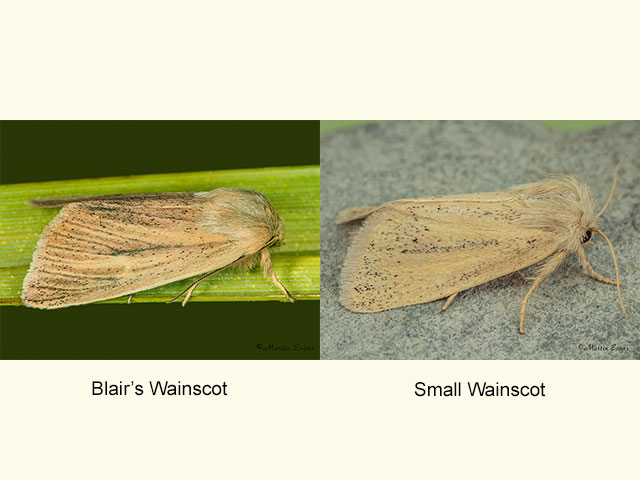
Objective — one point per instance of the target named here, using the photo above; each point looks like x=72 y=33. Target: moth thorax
x=241 y=213
x=562 y=206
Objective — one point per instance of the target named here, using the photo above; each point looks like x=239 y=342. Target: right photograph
x=480 y=240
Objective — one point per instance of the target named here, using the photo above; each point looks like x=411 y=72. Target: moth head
x=274 y=224
x=582 y=231
x=279 y=235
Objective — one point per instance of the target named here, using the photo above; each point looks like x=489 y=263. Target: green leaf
x=293 y=191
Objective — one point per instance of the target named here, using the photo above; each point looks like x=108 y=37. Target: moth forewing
x=104 y=247
x=414 y=251
x=417 y=251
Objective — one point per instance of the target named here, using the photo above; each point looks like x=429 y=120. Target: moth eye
x=587 y=237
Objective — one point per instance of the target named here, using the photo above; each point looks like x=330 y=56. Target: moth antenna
x=613 y=187
x=615 y=264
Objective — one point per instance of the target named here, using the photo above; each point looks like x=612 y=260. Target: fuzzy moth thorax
x=560 y=205
x=242 y=214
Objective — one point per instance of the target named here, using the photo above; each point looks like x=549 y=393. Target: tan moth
x=413 y=251
x=109 y=246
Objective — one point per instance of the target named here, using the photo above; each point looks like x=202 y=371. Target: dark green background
x=57 y=150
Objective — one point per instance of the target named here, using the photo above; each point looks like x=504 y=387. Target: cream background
x=329 y=60
x=320 y=419
x=332 y=60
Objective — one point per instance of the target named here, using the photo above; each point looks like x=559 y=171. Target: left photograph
x=159 y=240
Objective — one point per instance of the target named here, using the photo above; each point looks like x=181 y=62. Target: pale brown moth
x=419 y=250
x=104 y=247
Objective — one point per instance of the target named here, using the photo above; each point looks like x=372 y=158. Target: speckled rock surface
x=570 y=316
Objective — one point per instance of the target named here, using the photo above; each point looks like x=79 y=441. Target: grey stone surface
x=570 y=316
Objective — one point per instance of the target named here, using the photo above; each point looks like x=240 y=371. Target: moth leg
x=265 y=260
x=130 y=298
x=449 y=300
x=549 y=266
x=189 y=290
x=585 y=263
